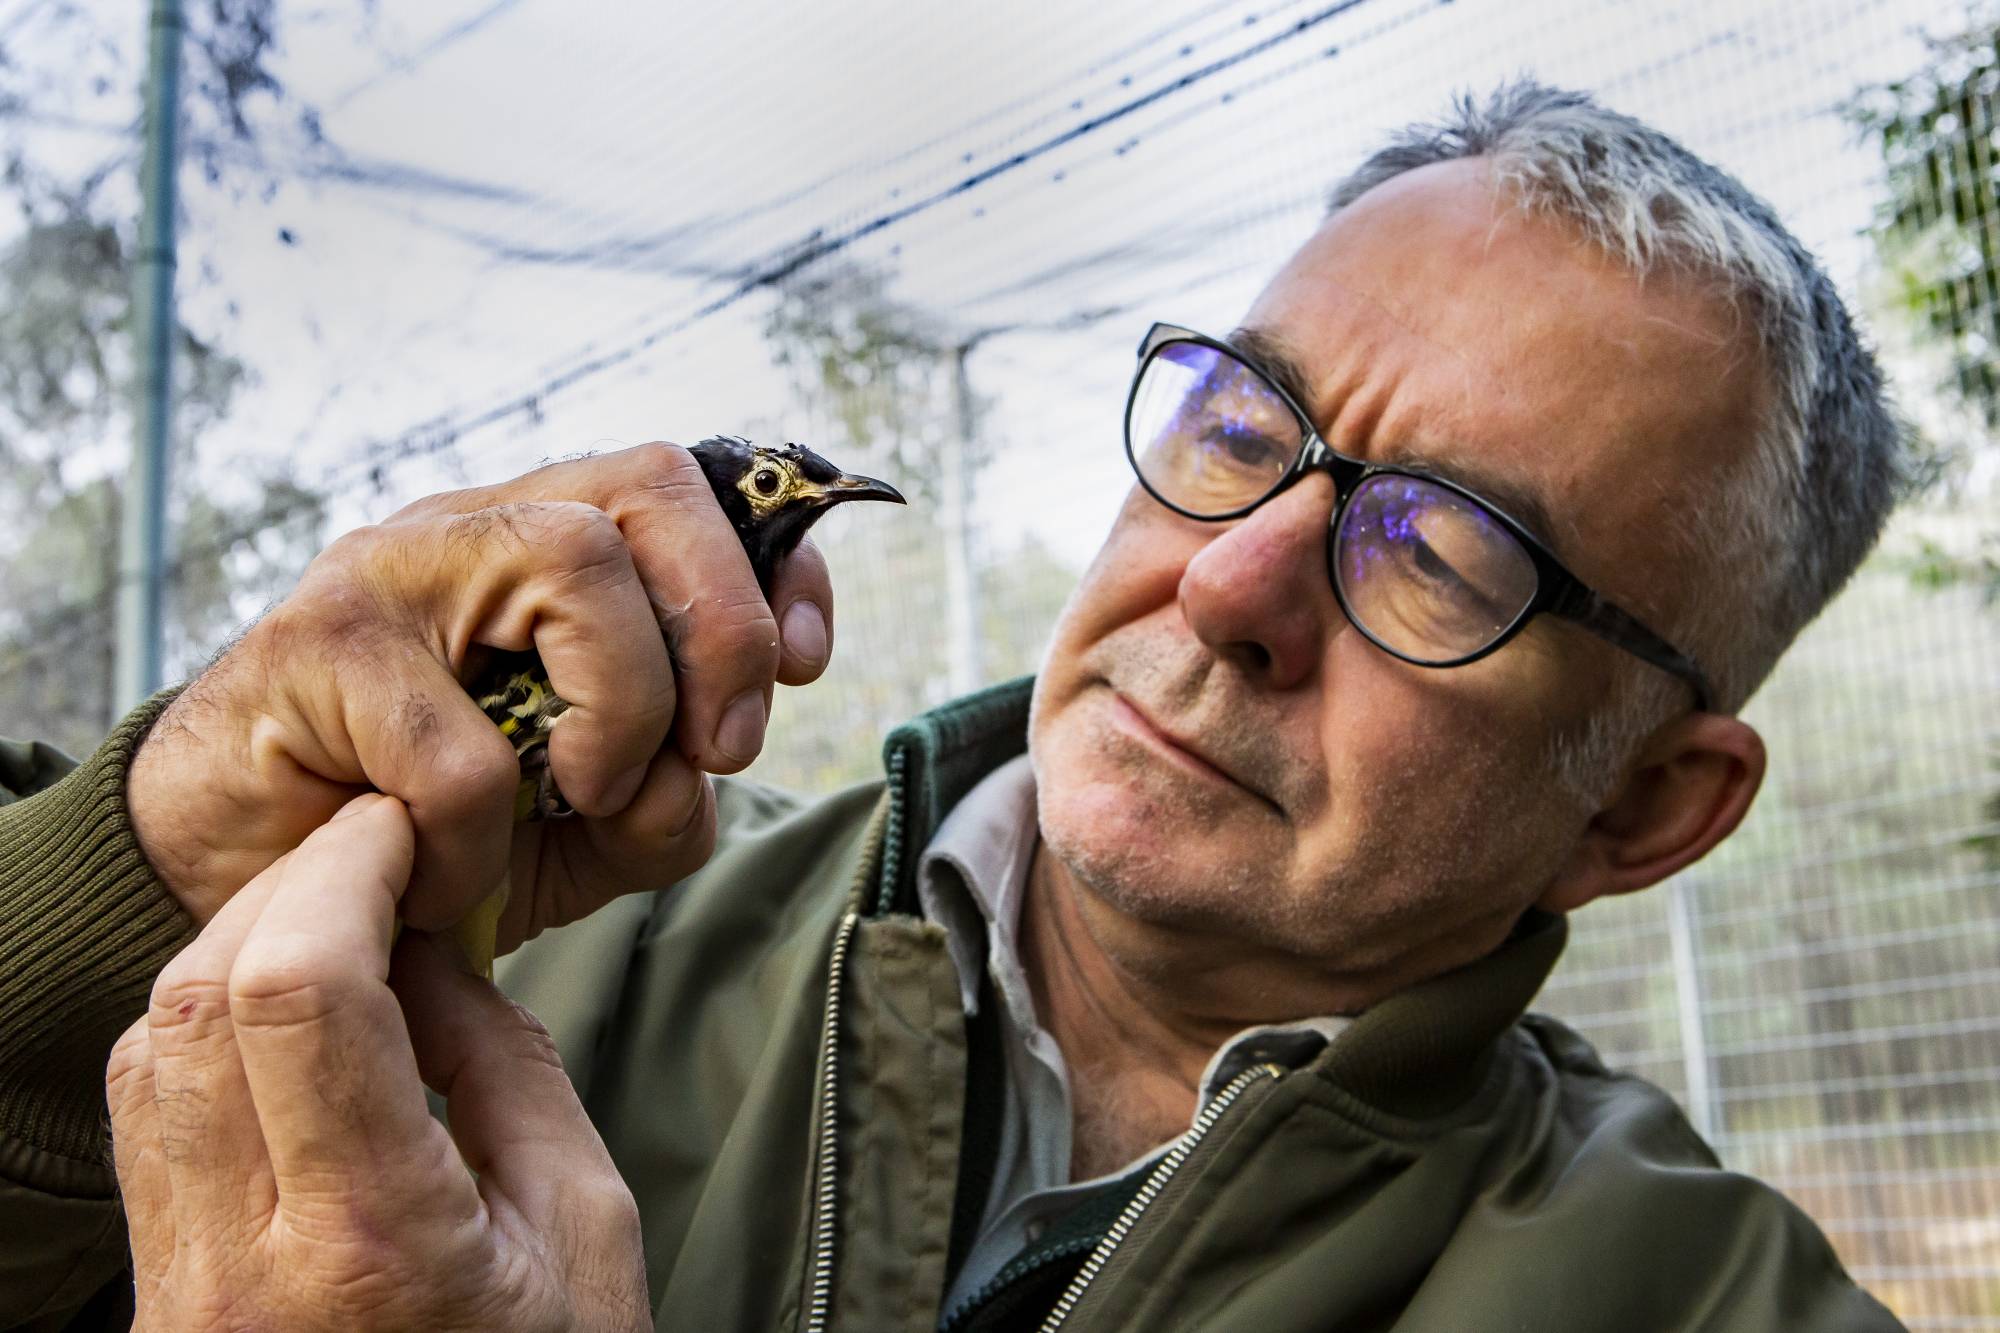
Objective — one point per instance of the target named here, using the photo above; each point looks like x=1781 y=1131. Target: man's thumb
x=512 y=1110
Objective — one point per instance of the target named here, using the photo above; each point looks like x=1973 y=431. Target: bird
x=771 y=495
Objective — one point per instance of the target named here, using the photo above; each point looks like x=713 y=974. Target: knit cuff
x=85 y=926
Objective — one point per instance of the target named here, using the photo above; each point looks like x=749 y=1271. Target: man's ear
x=1688 y=788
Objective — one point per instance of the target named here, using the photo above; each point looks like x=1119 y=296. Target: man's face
x=1218 y=754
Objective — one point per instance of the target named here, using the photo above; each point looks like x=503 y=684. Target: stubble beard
x=1201 y=861
x=1180 y=854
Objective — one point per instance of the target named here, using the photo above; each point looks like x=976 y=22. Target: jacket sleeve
x=84 y=928
x=1636 y=1224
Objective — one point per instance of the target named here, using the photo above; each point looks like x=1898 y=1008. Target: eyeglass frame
x=1558 y=591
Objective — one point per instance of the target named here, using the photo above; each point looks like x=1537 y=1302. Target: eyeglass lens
x=1206 y=432
x=1423 y=570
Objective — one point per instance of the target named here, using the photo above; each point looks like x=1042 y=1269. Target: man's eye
x=1246 y=448
x=1434 y=566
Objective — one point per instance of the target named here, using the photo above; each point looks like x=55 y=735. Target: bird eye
x=766 y=482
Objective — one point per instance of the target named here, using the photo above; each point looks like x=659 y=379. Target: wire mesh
x=530 y=232
x=1843 y=1022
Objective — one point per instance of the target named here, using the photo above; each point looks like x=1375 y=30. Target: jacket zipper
x=896 y=760
x=826 y=1185
x=1155 y=1183
x=826 y=1180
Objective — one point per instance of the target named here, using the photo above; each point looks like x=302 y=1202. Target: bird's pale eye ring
x=766 y=482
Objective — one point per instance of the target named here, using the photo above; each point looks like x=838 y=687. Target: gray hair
x=1829 y=460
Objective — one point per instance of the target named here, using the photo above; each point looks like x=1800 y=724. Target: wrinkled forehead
x=1432 y=321
x=1516 y=496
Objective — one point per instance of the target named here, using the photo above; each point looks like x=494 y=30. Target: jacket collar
x=1421 y=1051
x=932 y=761
x=1428 y=1047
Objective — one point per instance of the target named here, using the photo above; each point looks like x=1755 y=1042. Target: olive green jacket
x=777 y=1056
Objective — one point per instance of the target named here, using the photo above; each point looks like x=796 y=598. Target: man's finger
x=143 y=1188
x=336 y=1088
x=420 y=738
x=513 y=1111
x=577 y=865
x=720 y=630
x=559 y=576
x=722 y=635
x=802 y=600
x=705 y=598
x=210 y=1144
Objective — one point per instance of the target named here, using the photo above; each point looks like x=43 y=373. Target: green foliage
x=878 y=384
x=1019 y=596
x=68 y=367
x=66 y=379
x=870 y=379
x=1938 y=229
x=877 y=371
x=1933 y=567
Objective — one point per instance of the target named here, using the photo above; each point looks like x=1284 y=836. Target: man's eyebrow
x=1270 y=354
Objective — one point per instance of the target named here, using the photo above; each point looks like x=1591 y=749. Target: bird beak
x=859 y=488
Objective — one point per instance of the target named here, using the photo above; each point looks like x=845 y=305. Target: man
x=1185 y=993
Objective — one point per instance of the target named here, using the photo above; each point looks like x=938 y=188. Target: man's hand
x=278 y=1165
x=623 y=572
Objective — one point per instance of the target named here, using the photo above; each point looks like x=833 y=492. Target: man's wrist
x=157 y=793
x=87 y=926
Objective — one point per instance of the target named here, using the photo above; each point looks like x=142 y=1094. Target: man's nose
x=1257 y=594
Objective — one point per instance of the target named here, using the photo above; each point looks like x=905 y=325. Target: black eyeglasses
x=1428 y=571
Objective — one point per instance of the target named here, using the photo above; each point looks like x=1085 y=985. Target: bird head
x=773 y=494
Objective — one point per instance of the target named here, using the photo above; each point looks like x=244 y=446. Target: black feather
x=725 y=460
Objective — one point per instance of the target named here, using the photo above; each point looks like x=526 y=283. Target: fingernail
x=741 y=734
x=356 y=806
x=805 y=632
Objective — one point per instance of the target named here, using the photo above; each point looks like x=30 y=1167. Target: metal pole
x=1684 y=942
x=961 y=588
x=143 y=545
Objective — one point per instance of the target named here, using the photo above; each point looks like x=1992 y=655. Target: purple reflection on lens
x=1224 y=388
x=1398 y=525
x=1426 y=572
x=1206 y=432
